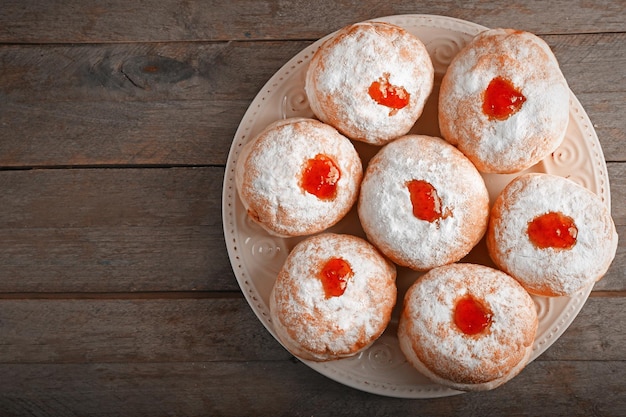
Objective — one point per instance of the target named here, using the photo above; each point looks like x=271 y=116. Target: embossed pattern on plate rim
x=252 y=120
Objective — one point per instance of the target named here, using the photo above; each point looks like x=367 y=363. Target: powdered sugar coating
x=386 y=211
x=550 y=271
x=527 y=136
x=314 y=327
x=433 y=343
x=343 y=68
x=268 y=177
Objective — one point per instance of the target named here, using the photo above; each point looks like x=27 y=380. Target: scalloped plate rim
x=248 y=284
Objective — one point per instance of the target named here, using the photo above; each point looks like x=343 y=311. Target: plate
x=256 y=256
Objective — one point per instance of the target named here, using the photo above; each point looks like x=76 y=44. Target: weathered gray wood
x=131 y=72
x=181 y=103
x=132 y=331
x=117 y=133
x=138 y=259
x=115 y=259
x=116 y=293
x=286 y=388
x=580 y=56
x=216 y=329
x=112 y=230
x=159 y=229
x=201 y=70
x=117 y=21
x=129 y=104
x=111 y=197
x=594 y=332
x=601 y=93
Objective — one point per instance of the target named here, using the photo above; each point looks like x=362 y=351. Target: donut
x=422 y=202
x=504 y=101
x=298 y=177
x=370 y=81
x=554 y=236
x=333 y=297
x=467 y=327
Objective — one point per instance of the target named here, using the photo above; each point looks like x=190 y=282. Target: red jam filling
x=388 y=95
x=502 y=99
x=425 y=200
x=470 y=316
x=334 y=276
x=552 y=230
x=320 y=177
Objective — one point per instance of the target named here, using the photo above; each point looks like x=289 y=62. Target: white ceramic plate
x=256 y=256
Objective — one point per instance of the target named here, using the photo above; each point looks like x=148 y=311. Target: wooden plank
x=579 y=53
x=114 y=259
x=111 y=230
x=116 y=293
x=593 y=334
x=216 y=329
x=117 y=230
x=601 y=95
x=578 y=388
x=203 y=70
x=134 y=104
x=140 y=259
x=111 y=197
x=129 y=104
x=142 y=71
x=118 y=21
x=118 y=133
x=139 y=330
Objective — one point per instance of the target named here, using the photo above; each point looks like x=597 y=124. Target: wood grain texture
x=115 y=259
x=289 y=388
x=216 y=329
x=62 y=21
x=174 y=104
x=133 y=331
x=117 y=297
x=117 y=134
x=105 y=230
x=157 y=229
x=93 y=198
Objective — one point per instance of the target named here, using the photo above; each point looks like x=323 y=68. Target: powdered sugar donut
x=333 y=297
x=468 y=327
x=422 y=202
x=504 y=101
x=553 y=235
x=370 y=81
x=298 y=177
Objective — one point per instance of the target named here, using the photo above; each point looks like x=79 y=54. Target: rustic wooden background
x=117 y=297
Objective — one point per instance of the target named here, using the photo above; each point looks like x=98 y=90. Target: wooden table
x=117 y=297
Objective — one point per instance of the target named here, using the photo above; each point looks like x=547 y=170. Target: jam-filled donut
x=333 y=297
x=551 y=234
x=467 y=327
x=504 y=101
x=370 y=80
x=422 y=202
x=298 y=177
